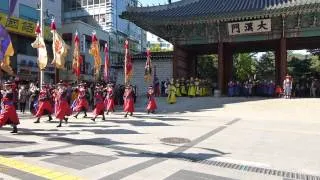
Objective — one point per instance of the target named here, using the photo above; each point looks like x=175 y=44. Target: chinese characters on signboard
x=21 y=26
x=249 y=27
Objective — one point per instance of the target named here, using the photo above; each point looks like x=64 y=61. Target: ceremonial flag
x=6 y=50
x=12 y=6
x=77 y=58
x=128 y=63
x=95 y=52
x=60 y=48
x=148 y=68
x=106 y=63
x=42 y=50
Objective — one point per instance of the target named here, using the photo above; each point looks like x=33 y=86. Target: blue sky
x=155 y=2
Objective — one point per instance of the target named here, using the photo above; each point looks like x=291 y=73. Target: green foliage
x=157 y=48
x=265 y=66
x=207 y=67
x=299 y=68
x=244 y=66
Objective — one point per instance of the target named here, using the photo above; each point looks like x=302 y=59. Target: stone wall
x=163 y=68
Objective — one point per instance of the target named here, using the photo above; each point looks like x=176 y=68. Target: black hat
x=8 y=83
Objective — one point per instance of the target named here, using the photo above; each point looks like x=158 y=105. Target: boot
x=85 y=114
x=37 y=121
x=107 y=112
x=148 y=112
x=126 y=115
x=76 y=116
x=131 y=114
x=66 y=120
x=93 y=119
x=50 y=118
x=60 y=124
x=103 y=118
x=15 y=129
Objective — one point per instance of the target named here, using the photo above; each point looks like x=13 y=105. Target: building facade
x=104 y=14
x=84 y=32
x=156 y=41
x=21 y=27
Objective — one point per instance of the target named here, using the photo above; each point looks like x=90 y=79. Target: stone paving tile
x=79 y=160
x=192 y=175
x=8 y=142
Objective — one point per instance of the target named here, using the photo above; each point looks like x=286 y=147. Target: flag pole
x=125 y=62
x=41 y=34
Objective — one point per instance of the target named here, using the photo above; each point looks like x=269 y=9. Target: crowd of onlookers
x=252 y=88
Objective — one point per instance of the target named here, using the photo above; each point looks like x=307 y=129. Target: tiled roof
x=223 y=10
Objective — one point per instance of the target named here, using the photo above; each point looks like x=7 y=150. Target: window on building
x=102 y=1
x=96 y=2
x=84 y=2
x=90 y=2
x=96 y=18
x=4 y=6
x=102 y=18
x=29 y=13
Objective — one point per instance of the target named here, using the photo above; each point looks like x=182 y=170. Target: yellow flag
x=95 y=52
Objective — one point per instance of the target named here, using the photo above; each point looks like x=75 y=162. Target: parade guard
x=8 y=114
x=62 y=108
x=172 y=93
x=128 y=98
x=109 y=100
x=44 y=103
x=151 y=105
x=191 y=88
x=81 y=103
x=99 y=103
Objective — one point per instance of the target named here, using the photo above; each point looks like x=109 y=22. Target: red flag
x=77 y=58
x=128 y=63
x=106 y=63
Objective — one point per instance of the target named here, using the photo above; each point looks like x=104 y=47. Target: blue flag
x=6 y=48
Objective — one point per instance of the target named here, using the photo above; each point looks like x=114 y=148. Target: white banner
x=249 y=27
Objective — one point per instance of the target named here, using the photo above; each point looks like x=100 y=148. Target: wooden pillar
x=281 y=61
x=174 y=62
x=220 y=68
x=228 y=67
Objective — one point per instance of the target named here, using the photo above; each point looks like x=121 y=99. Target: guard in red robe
x=99 y=103
x=128 y=98
x=62 y=106
x=109 y=100
x=8 y=114
x=81 y=104
x=152 y=105
x=45 y=106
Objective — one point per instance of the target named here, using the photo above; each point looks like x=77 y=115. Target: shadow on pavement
x=139 y=123
x=194 y=157
x=31 y=154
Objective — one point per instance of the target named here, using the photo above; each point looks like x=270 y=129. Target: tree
x=207 y=67
x=265 y=66
x=244 y=66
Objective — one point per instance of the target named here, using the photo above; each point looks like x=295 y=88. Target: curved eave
x=137 y=17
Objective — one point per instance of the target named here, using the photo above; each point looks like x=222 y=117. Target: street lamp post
x=41 y=34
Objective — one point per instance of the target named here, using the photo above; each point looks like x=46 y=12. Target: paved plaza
x=201 y=138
